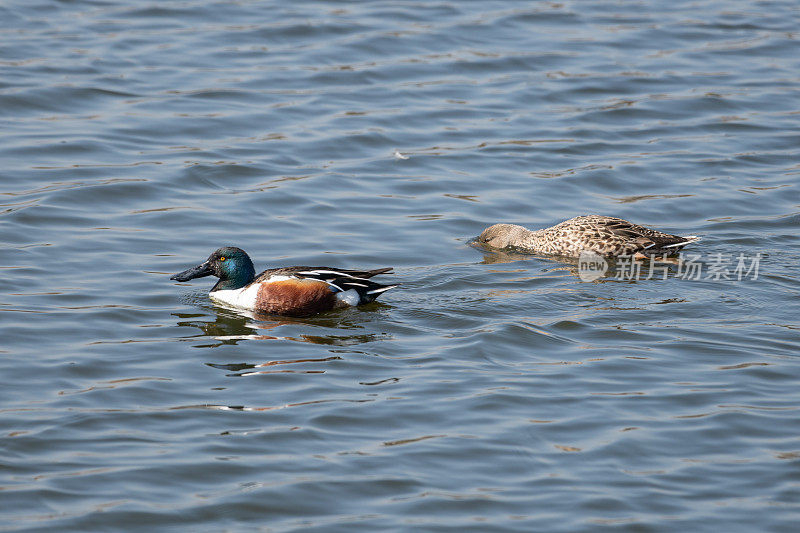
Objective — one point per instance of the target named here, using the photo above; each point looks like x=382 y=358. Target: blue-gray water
x=489 y=392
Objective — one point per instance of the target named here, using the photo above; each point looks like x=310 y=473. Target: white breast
x=244 y=297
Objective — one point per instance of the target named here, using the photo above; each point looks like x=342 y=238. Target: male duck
x=606 y=236
x=292 y=291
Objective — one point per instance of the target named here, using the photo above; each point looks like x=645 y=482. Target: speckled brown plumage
x=607 y=236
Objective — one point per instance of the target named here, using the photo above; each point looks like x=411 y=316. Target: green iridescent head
x=231 y=265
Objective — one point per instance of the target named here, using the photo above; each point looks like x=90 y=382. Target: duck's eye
x=222 y=258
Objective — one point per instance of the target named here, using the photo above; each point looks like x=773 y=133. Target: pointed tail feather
x=381 y=289
x=375 y=272
x=686 y=240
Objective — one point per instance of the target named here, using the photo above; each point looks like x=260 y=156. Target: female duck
x=292 y=291
x=606 y=236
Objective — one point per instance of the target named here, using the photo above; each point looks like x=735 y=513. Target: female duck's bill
x=602 y=235
x=294 y=291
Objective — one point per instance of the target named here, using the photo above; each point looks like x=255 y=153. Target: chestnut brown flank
x=295 y=297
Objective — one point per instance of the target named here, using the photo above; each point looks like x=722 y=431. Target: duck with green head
x=292 y=291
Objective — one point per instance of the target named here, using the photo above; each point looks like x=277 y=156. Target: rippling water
x=490 y=391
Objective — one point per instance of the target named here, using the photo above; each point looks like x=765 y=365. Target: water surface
x=492 y=392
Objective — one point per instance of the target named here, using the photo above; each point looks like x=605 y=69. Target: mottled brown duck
x=606 y=236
